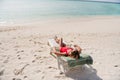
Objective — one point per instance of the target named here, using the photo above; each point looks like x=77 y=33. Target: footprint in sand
x=25 y=76
x=18 y=56
x=38 y=71
x=39 y=51
x=2 y=72
x=115 y=65
x=42 y=77
x=20 y=51
x=6 y=61
x=33 y=61
x=16 y=79
x=35 y=55
x=50 y=67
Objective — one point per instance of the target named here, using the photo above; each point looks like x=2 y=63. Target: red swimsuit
x=65 y=49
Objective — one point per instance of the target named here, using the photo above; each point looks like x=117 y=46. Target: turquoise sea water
x=26 y=10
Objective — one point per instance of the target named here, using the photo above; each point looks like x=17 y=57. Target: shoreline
x=96 y=24
x=53 y=19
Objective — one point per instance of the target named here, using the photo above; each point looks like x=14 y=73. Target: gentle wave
x=113 y=1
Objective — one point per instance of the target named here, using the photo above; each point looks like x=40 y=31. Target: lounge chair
x=67 y=63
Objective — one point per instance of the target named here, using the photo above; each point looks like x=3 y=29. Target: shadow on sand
x=88 y=73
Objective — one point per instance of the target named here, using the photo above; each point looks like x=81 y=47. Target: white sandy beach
x=24 y=53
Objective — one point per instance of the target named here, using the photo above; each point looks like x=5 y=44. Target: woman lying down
x=65 y=50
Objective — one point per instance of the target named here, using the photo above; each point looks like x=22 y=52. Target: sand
x=24 y=53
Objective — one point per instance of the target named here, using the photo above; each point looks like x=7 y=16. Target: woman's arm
x=57 y=52
x=61 y=43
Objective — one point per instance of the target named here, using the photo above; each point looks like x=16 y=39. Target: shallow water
x=12 y=11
